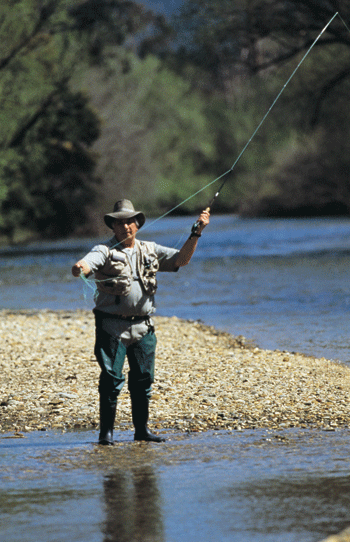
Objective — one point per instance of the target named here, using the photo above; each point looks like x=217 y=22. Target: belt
x=102 y=314
x=130 y=318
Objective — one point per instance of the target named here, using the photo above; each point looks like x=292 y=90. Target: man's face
x=125 y=230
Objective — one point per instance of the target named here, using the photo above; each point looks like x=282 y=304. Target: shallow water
x=256 y=486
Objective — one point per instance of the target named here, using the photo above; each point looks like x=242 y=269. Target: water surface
x=283 y=284
x=253 y=486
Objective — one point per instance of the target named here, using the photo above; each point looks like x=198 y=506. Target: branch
x=297 y=50
x=44 y=15
x=19 y=136
x=325 y=91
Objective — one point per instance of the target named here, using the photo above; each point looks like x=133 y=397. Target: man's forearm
x=186 y=252
x=190 y=245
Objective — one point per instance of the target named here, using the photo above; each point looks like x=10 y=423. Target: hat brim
x=109 y=218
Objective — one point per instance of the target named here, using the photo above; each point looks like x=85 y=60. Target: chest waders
x=110 y=353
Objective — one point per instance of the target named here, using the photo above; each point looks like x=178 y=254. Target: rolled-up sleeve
x=96 y=258
x=167 y=258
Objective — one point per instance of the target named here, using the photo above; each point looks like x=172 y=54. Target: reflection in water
x=284 y=505
x=254 y=486
x=133 y=510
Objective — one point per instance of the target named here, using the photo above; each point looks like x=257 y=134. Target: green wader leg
x=110 y=354
x=107 y=419
x=140 y=415
x=141 y=357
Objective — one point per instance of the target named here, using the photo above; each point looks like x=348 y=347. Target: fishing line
x=88 y=284
x=252 y=136
x=282 y=89
x=225 y=175
x=187 y=199
x=179 y=204
x=344 y=23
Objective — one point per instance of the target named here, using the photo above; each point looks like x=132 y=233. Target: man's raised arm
x=187 y=251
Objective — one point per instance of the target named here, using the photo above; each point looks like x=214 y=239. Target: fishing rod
x=196 y=224
x=208 y=208
x=225 y=175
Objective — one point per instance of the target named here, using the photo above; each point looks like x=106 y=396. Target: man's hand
x=81 y=267
x=203 y=220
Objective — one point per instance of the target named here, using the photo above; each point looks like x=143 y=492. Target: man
x=125 y=272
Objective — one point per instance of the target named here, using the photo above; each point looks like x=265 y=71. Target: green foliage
x=169 y=125
x=34 y=60
x=47 y=178
x=183 y=142
x=158 y=142
x=46 y=170
x=302 y=181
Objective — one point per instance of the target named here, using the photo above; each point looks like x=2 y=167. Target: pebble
x=205 y=379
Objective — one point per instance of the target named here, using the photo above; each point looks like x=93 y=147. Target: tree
x=157 y=143
x=249 y=48
x=49 y=182
x=41 y=122
x=46 y=129
x=257 y=35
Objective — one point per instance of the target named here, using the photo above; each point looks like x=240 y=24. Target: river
x=282 y=284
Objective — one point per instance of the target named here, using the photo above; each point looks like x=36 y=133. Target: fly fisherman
x=125 y=271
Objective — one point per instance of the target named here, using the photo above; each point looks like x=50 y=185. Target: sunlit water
x=255 y=486
x=281 y=283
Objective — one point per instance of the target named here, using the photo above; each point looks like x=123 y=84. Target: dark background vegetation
x=102 y=99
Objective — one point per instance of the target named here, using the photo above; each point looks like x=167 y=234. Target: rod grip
x=196 y=224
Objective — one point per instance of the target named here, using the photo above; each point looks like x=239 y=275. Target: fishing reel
x=194 y=230
x=195 y=227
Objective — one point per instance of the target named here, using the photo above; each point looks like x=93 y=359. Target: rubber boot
x=107 y=417
x=140 y=413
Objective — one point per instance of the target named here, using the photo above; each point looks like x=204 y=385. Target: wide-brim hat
x=124 y=209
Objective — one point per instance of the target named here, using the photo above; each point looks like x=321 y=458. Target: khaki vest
x=116 y=277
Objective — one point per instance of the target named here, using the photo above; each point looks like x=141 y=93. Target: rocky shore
x=205 y=379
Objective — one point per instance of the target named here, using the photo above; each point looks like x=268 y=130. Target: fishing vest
x=115 y=277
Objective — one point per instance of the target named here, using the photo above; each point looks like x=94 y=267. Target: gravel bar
x=205 y=379
x=344 y=536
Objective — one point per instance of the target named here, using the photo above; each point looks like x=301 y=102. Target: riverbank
x=205 y=379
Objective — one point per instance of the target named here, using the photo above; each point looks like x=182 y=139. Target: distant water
x=282 y=283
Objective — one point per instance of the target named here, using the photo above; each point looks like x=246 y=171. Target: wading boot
x=107 y=417
x=140 y=413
